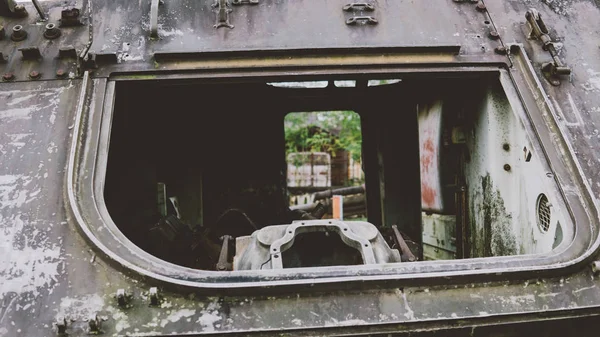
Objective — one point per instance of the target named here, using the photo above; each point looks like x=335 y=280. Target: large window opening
x=254 y=176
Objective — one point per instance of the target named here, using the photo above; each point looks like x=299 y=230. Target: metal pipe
x=39 y=9
x=340 y=191
x=350 y=201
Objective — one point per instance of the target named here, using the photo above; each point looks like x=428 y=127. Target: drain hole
x=543 y=213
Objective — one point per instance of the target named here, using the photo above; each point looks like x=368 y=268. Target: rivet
x=60 y=73
x=506 y=147
x=507 y=167
x=494 y=35
x=481 y=6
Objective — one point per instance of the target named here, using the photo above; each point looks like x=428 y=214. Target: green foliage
x=324 y=131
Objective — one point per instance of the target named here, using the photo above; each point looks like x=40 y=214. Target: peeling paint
x=177 y=315
x=80 y=307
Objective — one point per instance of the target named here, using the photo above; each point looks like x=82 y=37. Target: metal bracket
x=31 y=53
x=223 y=10
x=359 y=6
x=345 y=232
x=368 y=20
x=244 y=2
x=154 y=18
x=539 y=30
x=70 y=17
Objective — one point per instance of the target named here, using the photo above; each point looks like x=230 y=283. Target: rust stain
x=427 y=155
x=428 y=195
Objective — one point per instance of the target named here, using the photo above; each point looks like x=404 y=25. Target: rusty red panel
x=430 y=135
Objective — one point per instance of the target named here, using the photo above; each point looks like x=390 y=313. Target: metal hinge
x=539 y=30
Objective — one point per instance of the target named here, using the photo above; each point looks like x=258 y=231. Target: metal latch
x=539 y=30
x=360 y=8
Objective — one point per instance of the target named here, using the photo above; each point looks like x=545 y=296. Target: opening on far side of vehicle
x=257 y=176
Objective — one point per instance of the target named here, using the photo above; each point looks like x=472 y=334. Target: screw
x=18 y=33
x=494 y=35
x=8 y=77
x=153 y=296
x=34 y=75
x=481 y=6
x=60 y=73
x=501 y=50
x=51 y=31
x=506 y=167
x=61 y=325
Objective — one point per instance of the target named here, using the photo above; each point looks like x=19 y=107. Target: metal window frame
x=89 y=153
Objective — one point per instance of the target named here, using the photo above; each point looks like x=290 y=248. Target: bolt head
x=8 y=77
x=34 y=74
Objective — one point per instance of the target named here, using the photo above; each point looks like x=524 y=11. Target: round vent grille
x=543 y=213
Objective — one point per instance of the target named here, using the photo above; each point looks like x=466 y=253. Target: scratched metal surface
x=185 y=28
x=574 y=25
x=49 y=62
x=47 y=270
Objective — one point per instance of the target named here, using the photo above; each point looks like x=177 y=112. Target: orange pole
x=338 y=207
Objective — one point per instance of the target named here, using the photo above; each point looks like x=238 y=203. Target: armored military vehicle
x=143 y=176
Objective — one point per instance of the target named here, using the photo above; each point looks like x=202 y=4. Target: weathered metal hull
x=51 y=267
